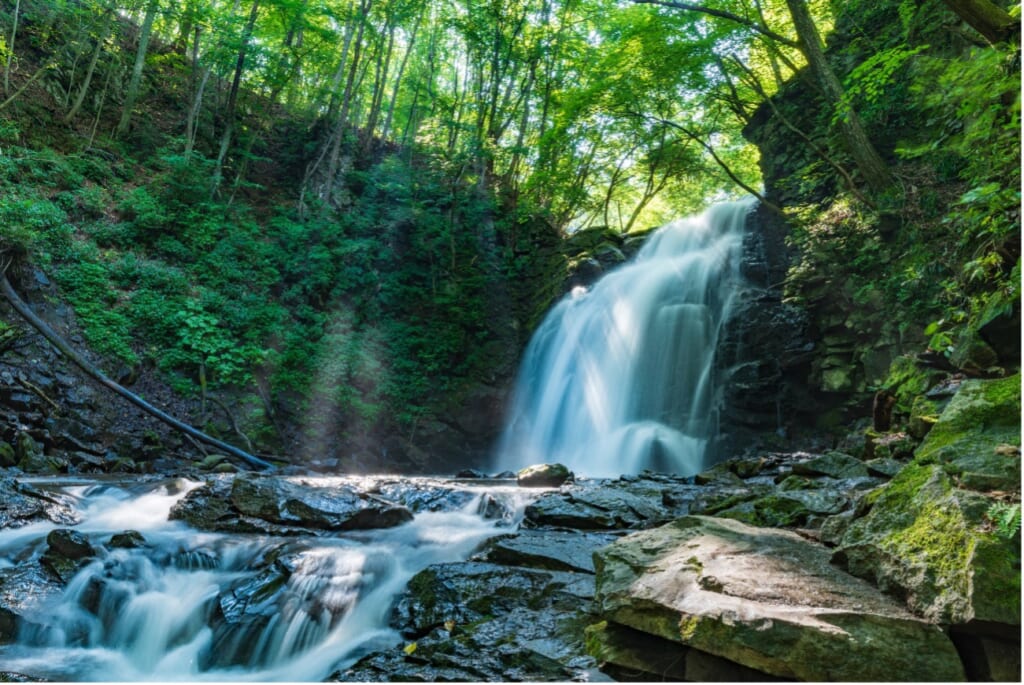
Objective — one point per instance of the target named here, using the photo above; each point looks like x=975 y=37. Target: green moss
x=907 y=379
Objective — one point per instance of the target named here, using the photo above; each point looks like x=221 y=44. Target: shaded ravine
x=183 y=604
x=621 y=377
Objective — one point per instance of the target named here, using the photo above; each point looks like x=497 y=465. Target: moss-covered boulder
x=927 y=541
x=967 y=438
x=767 y=599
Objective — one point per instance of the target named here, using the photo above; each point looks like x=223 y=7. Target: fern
x=1006 y=519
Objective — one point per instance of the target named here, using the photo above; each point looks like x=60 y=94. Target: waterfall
x=620 y=377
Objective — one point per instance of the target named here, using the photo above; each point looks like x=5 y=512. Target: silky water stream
x=622 y=377
x=191 y=605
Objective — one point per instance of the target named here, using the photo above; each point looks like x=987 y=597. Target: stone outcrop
x=768 y=600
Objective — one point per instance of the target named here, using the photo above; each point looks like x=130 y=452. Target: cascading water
x=619 y=378
x=186 y=605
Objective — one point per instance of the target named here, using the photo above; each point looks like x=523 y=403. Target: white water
x=148 y=614
x=619 y=378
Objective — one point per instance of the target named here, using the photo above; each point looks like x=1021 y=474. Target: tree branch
x=104 y=380
x=718 y=160
x=722 y=14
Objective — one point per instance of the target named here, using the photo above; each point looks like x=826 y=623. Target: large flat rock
x=767 y=599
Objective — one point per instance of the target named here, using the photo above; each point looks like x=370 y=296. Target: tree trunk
x=987 y=18
x=871 y=165
x=10 y=49
x=229 y=116
x=90 y=72
x=140 y=62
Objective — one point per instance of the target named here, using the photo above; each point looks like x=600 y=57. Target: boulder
x=543 y=476
x=768 y=600
x=980 y=418
x=273 y=505
x=923 y=539
x=613 y=505
x=833 y=464
x=338 y=507
x=547 y=549
x=129 y=539
x=69 y=544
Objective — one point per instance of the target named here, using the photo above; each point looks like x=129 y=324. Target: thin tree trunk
x=97 y=375
x=80 y=98
x=10 y=49
x=140 y=62
x=398 y=77
x=229 y=116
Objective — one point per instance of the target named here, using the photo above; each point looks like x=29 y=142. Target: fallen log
x=58 y=342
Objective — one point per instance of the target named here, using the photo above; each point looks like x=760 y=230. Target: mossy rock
x=967 y=438
x=833 y=464
x=908 y=378
x=924 y=540
x=924 y=413
x=7 y=455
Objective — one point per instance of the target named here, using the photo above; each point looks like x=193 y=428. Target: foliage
x=1005 y=516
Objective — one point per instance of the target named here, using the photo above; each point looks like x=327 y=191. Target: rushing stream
x=191 y=605
x=622 y=377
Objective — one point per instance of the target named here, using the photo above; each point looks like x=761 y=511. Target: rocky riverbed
x=887 y=559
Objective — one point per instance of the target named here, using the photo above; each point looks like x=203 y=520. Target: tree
x=987 y=18
x=140 y=61
x=873 y=169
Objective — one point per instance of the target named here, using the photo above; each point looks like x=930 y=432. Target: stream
x=194 y=605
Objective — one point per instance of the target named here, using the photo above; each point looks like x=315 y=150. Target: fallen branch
x=102 y=378
x=39 y=392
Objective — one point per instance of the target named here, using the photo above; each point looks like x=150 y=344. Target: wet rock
x=425 y=496
x=335 y=508
x=614 y=505
x=11 y=677
x=768 y=600
x=543 y=476
x=504 y=475
x=67 y=553
x=468 y=592
x=547 y=549
x=982 y=416
x=277 y=506
x=484 y=622
x=21 y=504
x=471 y=474
x=69 y=544
x=27 y=589
x=129 y=539
x=923 y=539
x=989 y=659
x=833 y=464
